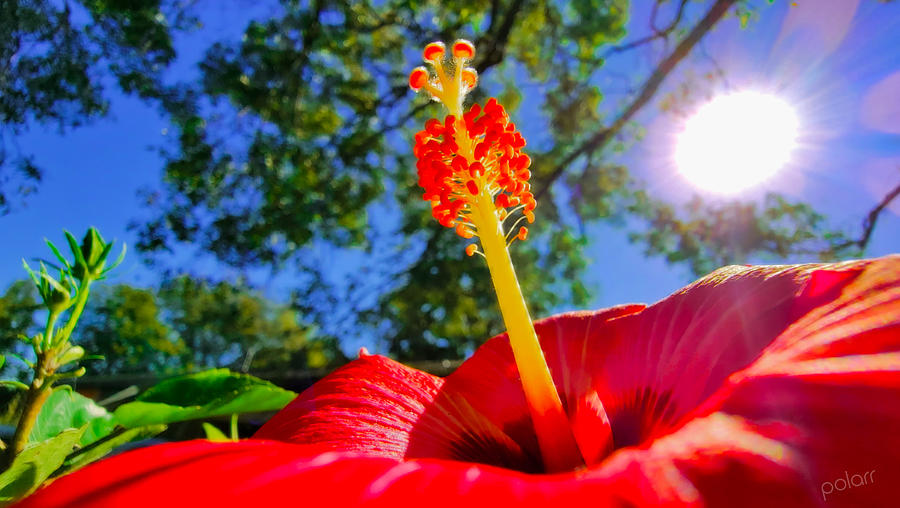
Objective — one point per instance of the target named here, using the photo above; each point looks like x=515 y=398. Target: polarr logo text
x=847 y=482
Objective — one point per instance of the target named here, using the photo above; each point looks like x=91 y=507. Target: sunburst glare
x=736 y=141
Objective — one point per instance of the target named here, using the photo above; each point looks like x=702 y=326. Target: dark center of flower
x=641 y=412
x=634 y=418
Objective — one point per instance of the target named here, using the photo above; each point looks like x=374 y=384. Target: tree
x=55 y=58
x=125 y=327
x=300 y=130
x=223 y=324
x=303 y=130
x=17 y=308
x=185 y=325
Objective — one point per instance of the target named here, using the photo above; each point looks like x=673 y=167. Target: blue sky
x=836 y=61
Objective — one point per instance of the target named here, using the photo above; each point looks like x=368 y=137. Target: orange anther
x=463 y=49
x=434 y=127
x=417 y=78
x=463 y=231
x=434 y=51
x=496 y=168
x=523 y=233
x=470 y=249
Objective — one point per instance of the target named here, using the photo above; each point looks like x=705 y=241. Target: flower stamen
x=475 y=175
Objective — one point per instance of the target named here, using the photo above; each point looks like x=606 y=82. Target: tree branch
x=497 y=45
x=657 y=32
x=649 y=88
x=870 y=220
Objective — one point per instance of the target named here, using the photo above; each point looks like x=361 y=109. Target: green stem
x=44 y=370
x=48 y=331
x=34 y=401
x=234 y=427
x=81 y=300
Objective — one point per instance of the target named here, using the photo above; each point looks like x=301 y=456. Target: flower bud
x=90 y=256
x=92 y=249
x=73 y=354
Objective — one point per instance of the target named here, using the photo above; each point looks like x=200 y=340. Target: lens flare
x=736 y=141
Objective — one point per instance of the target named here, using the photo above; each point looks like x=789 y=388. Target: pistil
x=476 y=178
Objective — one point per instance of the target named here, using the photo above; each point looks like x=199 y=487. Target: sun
x=736 y=141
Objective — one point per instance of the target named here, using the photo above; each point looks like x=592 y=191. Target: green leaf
x=47 y=262
x=66 y=409
x=56 y=285
x=119 y=259
x=100 y=448
x=58 y=255
x=214 y=434
x=202 y=395
x=31 y=273
x=75 y=248
x=12 y=383
x=36 y=463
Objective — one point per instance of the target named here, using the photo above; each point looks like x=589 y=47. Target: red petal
x=269 y=473
x=833 y=377
x=752 y=386
x=379 y=407
x=370 y=406
x=651 y=367
x=819 y=406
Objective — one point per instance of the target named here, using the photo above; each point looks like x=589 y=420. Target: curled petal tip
x=363 y=351
x=470 y=77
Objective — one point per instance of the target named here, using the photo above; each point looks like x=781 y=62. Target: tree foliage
x=225 y=324
x=301 y=130
x=125 y=327
x=295 y=140
x=185 y=325
x=17 y=307
x=707 y=236
x=54 y=58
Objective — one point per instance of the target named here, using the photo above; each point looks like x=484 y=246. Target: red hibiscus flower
x=754 y=386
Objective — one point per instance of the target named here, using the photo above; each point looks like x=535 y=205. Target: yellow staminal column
x=558 y=447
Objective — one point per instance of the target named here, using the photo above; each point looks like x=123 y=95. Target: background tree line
x=185 y=325
x=295 y=140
